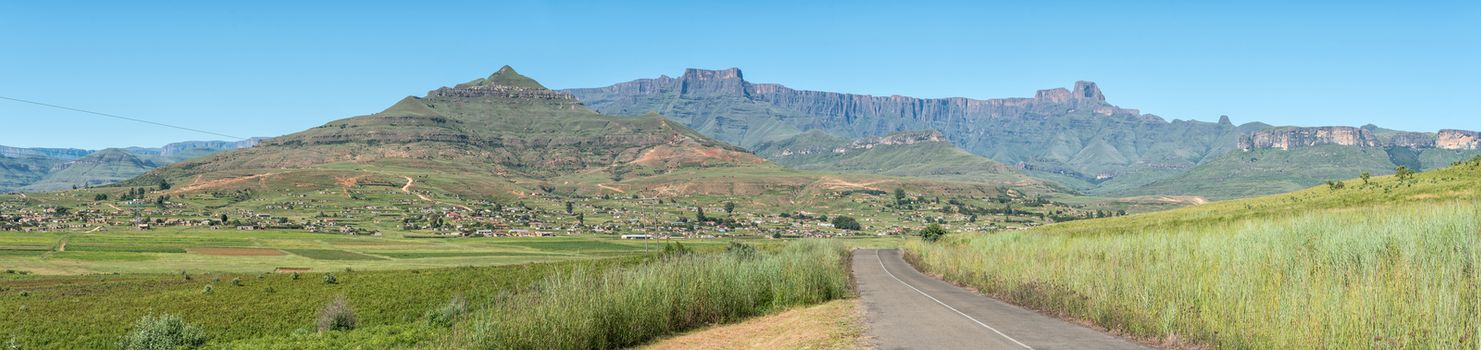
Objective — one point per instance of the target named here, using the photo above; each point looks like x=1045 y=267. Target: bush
x=445 y=314
x=294 y=276
x=162 y=332
x=932 y=232
x=741 y=250
x=330 y=279
x=673 y=250
x=337 y=316
x=208 y=289
x=237 y=281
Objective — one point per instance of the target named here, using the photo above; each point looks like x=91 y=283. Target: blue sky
x=279 y=67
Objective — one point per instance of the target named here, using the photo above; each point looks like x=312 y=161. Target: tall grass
x=586 y=309
x=1387 y=276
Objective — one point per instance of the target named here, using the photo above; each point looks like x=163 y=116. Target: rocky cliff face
x=1288 y=138
x=61 y=153
x=1072 y=132
x=1458 y=139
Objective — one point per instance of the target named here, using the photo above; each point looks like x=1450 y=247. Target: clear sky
x=271 y=68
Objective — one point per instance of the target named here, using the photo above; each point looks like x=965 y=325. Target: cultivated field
x=172 y=250
x=1380 y=263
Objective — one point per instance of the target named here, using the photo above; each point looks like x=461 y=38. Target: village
x=873 y=213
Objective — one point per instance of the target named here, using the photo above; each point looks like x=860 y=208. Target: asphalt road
x=906 y=309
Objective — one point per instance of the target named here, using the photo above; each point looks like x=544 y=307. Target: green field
x=171 y=251
x=408 y=307
x=1380 y=263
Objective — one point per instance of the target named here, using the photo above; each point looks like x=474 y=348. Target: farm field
x=193 y=250
x=1386 y=262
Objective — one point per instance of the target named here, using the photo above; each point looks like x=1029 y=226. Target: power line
x=122 y=117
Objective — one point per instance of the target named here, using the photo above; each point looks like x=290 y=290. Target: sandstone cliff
x=1287 y=138
x=1292 y=137
x=1458 y=139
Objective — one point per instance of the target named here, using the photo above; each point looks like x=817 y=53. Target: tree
x=899 y=195
x=223 y=219
x=846 y=223
x=699 y=214
x=581 y=219
x=164 y=185
x=1365 y=175
x=1403 y=173
x=729 y=208
x=932 y=232
x=570 y=208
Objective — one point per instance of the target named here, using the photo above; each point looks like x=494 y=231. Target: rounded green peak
x=506 y=76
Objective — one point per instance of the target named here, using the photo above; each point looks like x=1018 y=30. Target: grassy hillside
x=1383 y=263
x=1270 y=171
x=909 y=154
x=100 y=168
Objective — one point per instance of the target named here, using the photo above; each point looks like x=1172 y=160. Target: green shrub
x=741 y=249
x=337 y=316
x=236 y=281
x=208 y=289
x=932 y=232
x=445 y=314
x=294 y=276
x=330 y=279
x=163 y=332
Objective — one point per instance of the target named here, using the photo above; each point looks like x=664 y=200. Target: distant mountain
x=51 y=169
x=484 y=131
x=925 y=154
x=99 y=168
x=1071 y=136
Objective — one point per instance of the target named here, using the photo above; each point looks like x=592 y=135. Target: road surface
x=906 y=309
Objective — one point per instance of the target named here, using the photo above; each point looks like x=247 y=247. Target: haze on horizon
x=279 y=67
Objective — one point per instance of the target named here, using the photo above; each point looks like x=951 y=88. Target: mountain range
x=1067 y=140
x=51 y=169
x=1071 y=136
x=507 y=136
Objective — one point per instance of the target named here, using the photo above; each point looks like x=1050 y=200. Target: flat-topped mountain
x=51 y=169
x=1073 y=136
x=1069 y=135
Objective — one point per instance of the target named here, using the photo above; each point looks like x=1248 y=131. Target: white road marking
x=938 y=301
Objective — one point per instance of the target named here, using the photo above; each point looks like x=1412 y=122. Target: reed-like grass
x=587 y=309
x=1388 y=276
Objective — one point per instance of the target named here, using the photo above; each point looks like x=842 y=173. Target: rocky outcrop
x=708 y=83
x=1368 y=136
x=62 y=153
x=1410 y=140
x=1292 y=137
x=1458 y=139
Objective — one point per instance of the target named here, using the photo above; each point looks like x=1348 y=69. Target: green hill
x=924 y=154
x=1269 y=171
x=1385 y=262
x=99 y=168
